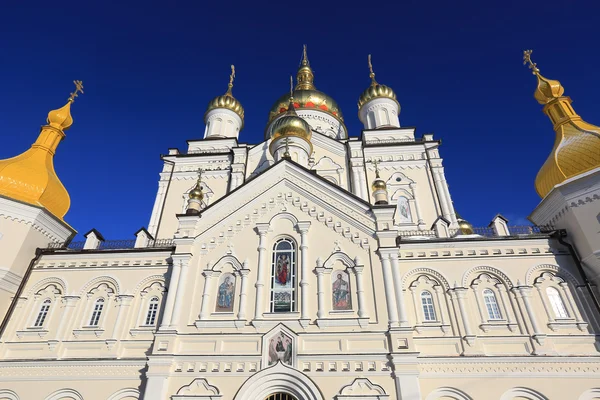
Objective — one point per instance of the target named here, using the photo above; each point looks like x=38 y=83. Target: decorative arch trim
x=228 y=259
x=48 y=281
x=148 y=281
x=339 y=256
x=486 y=269
x=523 y=392
x=362 y=388
x=284 y=215
x=99 y=280
x=279 y=378
x=426 y=271
x=198 y=389
x=591 y=394
x=401 y=193
x=8 y=394
x=124 y=393
x=535 y=271
x=449 y=392
x=59 y=394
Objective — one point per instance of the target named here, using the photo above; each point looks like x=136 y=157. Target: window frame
x=430 y=306
x=96 y=315
x=152 y=311
x=488 y=293
x=43 y=312
x=557 y=304
x=293 y=275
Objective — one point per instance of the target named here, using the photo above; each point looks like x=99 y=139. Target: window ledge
x=32 y=331
x=144 y=329
x=220 y=323
x=496 y=324
x=429 y=326
x=565 y=323
x=338 y=312
x=282 y=315
x=357 y=322
x=88 y=330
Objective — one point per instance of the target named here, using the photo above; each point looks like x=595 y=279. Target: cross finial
x=371 y=73
x=200 y=171
x=527 y=59
x=291 y=88
x=231 y=78
x=375 y=163
x=78 y=88
x=286 y=154
x=304 y=56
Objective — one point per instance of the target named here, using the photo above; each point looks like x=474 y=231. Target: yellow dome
x=464 y=227
x=378 y=184
x=577 y=143
x=376 y=90
x=227 y=101
x=196 y=192
x=30 y=176
x=291 y=124
x=306 y=95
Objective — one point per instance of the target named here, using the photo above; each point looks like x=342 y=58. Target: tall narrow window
x=98 y=306
x=491 y=304
x=283 y=276
x=556 y=302
x=152 y=311
x=39 y=321
x=427 y=303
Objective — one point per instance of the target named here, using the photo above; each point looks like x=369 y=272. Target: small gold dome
x=375 y=90
x=378 y=184
x=464 y=227
x=227 y=101
x=61 y=119
x=196 y=193
x=291 y=124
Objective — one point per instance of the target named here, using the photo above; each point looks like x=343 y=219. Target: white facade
x=292 y=280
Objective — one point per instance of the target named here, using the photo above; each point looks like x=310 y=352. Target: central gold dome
x=309 y=99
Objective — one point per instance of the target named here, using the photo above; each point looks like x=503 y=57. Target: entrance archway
x=279 y=380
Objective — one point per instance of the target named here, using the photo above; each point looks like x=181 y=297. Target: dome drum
x=380 y=113
x=222 y=123
x=298 y=148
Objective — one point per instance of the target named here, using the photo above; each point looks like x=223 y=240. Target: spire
x=577 y=143
x=231 y=78
x=305 y=76
x=30 y=177
x=372 y=74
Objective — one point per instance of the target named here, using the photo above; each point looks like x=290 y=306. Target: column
x=441 y=193
x=460 y=298
x=525 y=292
x=355 y=181
x=69 y=303
x=415 y=306
x=320 y=270
x=262 y=230
x=448 y=198
x=303 y=228
x=544 y=302
x=178 y=306
x=363 y=183
x=158 y=203
x=398 y=288
x=439 y=295
x=205 y=307
x=123 y=301
x=588 y=307
x=244 y=288
x=360 y=291
x=479 y=306
x=173 y=283
x=389 y=290
x=506 y=303
x=417 y=208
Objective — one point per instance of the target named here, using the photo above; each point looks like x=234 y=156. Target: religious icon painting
x=403 y=210
x=280 y=349
x=340 y=289
x=225 y=293
x=283 y=276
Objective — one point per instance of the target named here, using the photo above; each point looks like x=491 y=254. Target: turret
x=224 y=117
x=377 y=105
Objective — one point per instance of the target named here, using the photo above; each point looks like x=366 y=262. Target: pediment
x=286 y=186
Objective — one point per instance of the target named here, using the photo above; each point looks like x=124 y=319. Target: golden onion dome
x=577 y=143
x=290 y=124
x=196 y=192
x=378 y=184
x=375 y=90
x=464 y=227
x=306 y=96
x=227 y=101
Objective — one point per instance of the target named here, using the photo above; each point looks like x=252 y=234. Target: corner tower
x=224 y=117
x=377 y=105
x=33 y=202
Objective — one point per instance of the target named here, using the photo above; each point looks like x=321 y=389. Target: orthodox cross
x=291 y=88
x=231 y=78
x=200 y=170
x=304 y=56
x=375 y=163
x=78 y=88
x=527 y=59
x=371 y=73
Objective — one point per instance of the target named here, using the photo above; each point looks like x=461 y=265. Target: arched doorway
x=280 y=396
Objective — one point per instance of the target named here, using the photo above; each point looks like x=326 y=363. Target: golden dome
x=291 y=124
x=464 y=227
x=306 y=95
x=30 y=176
x=227 y=100
x=378 y=184
x=577 y=143
x=376 y=90
x=196 y=192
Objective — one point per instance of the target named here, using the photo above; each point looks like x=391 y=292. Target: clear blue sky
x=149 y=70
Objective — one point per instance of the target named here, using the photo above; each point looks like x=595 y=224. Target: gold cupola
x=227 y=101
x=30 y=177
x=577 y=144
x=379 y=187
x=290 y=124
x=464 y=226
x=306 y=96
x=376 y=90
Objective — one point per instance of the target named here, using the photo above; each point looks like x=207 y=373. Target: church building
x=318 y=264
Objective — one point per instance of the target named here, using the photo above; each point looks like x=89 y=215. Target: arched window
x=97 y=312
x=556 y=302
x=428 y=308
x=39 y=321
x=283 y=276
x=491 y=304
x=152 y=311
x=371 y=120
